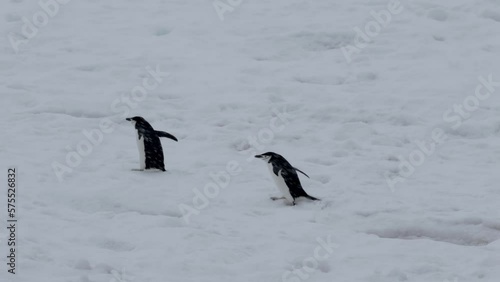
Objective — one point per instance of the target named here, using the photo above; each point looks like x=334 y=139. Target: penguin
x=148 y=142
x=285 y=177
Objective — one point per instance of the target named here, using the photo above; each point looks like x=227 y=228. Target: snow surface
x=346 y=124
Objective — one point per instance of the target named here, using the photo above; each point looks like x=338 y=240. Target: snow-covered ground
x=399 y=135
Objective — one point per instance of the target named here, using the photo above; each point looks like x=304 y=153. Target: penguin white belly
x=142 y=152
x=280 y=182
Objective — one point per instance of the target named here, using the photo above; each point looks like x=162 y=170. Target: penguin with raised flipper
x=286 y=178
x=148 y=142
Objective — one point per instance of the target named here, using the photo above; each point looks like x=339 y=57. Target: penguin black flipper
x=301 y=172
x=276 y=170
x=153 y=151
x=166 y=134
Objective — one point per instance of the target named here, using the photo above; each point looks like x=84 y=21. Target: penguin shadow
x=148 y=170
x=321 y=203
x=159 y=172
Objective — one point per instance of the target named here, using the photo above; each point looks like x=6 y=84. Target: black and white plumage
x=148 y=142
x=286 y=178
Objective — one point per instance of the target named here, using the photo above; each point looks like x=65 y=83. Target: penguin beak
x=129 y=119
x=258 y=156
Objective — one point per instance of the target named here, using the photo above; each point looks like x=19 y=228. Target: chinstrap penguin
x=286 y=178
x=148 y=142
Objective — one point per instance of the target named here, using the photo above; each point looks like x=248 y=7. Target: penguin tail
x=312 y=198
x=301 y=172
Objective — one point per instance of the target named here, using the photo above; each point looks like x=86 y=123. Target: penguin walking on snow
x=286 y=178
x=148 y=141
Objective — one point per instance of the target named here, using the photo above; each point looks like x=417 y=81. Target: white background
x=348 y=123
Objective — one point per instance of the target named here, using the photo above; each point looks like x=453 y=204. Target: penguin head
x=267 y=157
x=140 y=123
x=136 y=119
